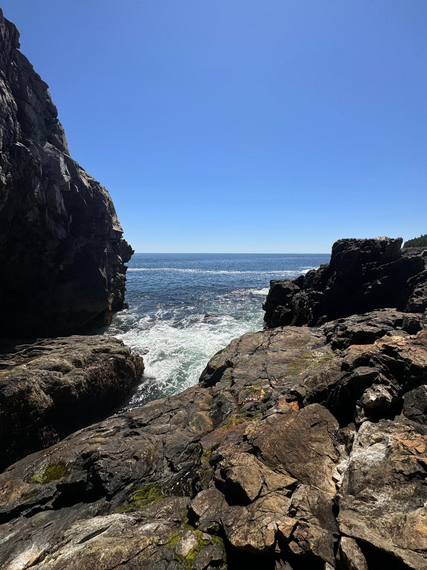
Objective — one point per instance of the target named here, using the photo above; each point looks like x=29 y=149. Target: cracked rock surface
x=300 y=449
x=277 y=459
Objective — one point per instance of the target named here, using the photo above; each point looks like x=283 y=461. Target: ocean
x=183 y=308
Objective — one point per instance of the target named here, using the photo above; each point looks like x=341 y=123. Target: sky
x=264 y=126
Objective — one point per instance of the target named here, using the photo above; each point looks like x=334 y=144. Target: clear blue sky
x=242 y=125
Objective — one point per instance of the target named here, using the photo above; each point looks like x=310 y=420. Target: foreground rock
x=61 y=248
x=363 y=275
x=52 y=387
x=289 y=454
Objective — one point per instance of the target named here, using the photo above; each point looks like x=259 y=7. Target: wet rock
x=55 y=386
x=60 y=241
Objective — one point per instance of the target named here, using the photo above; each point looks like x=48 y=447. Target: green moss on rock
x=195 y=551
x=145 y=495
x=239 y=418
x=49 y=474
x=308 y=360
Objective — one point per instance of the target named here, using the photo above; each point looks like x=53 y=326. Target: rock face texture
x=52 y=387
x=61 y=246
x=363 y=275
x=292 y=453
x=300 y=449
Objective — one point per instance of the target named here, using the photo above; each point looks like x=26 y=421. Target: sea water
x=183 y=308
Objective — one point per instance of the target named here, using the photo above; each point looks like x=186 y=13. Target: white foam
x=249 y=292
x=176 y=354
x=285 y=272
x=261 y=292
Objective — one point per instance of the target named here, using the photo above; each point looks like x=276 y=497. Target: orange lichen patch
x=414 y=349
x=421 y=528
x=417 y=523
x=212 y=439
x=421 y=337
x=416 y=445
x=284 y=403
x=253 y=393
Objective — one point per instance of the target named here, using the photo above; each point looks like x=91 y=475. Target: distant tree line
x=417 y=242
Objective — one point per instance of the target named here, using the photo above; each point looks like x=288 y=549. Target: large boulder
x=52 y=387
x=363 y=275
x=61 y=248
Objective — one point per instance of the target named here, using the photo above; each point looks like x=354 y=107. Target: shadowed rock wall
x=61 y=246
x=363 y=275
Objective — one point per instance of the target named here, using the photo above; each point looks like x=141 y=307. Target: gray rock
x=54 y=386
x=61 y=243
x=151 y=538
x=383 y=497
x=351 y=556
x=263 y=454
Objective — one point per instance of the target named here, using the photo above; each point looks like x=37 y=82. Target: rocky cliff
x=362 y=275
x=61 y=246
x=300 y=449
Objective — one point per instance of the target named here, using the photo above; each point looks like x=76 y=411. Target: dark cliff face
x=363 y=275
x=61 y=246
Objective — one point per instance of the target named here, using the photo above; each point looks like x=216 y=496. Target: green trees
x=417 y=242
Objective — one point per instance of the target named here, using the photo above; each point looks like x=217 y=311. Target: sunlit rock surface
x=286 y=453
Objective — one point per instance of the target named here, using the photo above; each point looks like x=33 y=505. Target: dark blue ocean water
x=183 y=308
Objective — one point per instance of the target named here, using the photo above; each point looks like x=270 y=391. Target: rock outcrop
x=363 y=275
x=61 y=246
x=52 y=387
x=298 y=449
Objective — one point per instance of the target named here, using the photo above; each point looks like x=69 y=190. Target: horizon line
x=229 y=253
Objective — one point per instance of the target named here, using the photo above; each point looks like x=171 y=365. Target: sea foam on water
x=184 y=308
